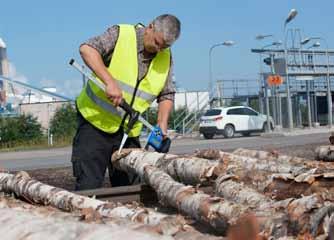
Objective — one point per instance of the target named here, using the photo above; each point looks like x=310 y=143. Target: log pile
x=290 y=197
x=256 y=195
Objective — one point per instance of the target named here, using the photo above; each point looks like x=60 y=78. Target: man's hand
x=113 y=92
x=94 y=61
x=165 y=145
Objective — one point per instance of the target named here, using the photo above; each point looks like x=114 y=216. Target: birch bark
x=34 y=191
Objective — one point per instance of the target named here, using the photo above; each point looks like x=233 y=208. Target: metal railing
x=185 y=114
x=192 y=120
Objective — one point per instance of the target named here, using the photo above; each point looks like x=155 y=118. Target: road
x=60 y=157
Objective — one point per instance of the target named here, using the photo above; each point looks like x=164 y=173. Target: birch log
x=250 y=163
x=299 y=210
x=189 y=170
x=23 y=225
x=273 y=155
x=257 y=173
x=217 y=212
x=281 y=158
x=325 y=153
x=282 y=186
x=22 y=185
x=228 y=187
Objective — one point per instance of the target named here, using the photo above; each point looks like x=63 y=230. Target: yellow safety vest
x=97 y=109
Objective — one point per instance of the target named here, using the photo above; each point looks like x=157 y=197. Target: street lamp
x=315 y=45
x=329 y=92
x=263 y=36
x=291 y=16
x=225 y=43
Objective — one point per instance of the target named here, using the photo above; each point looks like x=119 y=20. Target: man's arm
x=96 y=53
x=164 y=109
x=94 y=61
x=166 y=101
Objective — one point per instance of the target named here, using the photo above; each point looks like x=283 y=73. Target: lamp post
x=329 y=92
x=226 y=43
x=291 y=16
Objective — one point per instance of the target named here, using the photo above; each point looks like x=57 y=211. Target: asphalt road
x=60 y=157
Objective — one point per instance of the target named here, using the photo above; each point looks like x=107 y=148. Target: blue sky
x=42 y=36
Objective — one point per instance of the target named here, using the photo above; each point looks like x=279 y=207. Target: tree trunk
x=274 y=155
x=300 y=211
x=189 y=170
x=325 y=153
x=217 y=212
x=282 y=186
x=228 y=187
x=26 y=225
x=231 y=161
x=34 y=191
x=297 y=161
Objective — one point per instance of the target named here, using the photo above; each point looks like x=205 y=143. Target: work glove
x=165 y=145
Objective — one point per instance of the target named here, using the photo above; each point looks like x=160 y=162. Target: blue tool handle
x=155 y=138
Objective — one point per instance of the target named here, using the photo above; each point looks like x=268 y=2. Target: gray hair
x=169 y=26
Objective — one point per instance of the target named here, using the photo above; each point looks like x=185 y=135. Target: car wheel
x=229 y=131
x=246 y=134
x=264 y=128
x=208 y=135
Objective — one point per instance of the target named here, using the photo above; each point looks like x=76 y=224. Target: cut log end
x=246 y=227
x=325 y=153
x=117 y=156
x=211 y=154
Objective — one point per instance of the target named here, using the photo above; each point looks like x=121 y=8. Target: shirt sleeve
x=105 y=43
x=168 y=92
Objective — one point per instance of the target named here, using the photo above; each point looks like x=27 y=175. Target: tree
x=63 y=124
x=23 y=128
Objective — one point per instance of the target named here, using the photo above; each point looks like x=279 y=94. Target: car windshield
x=213 y=112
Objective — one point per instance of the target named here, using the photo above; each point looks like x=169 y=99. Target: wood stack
x=257 y=195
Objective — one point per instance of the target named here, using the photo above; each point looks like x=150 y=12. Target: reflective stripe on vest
x=92 y=102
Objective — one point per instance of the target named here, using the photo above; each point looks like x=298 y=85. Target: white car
x=231 y=120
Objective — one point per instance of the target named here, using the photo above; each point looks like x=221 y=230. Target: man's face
x=153 y=41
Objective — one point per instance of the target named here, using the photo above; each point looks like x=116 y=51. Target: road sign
x=274 y=80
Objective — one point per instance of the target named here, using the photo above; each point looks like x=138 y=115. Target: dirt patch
x=58 y=177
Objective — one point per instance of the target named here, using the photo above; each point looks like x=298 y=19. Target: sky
x=42 y=36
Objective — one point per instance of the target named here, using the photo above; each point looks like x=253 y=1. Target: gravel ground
x=63 y=178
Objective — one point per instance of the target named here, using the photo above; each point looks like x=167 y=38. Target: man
x=134 y=63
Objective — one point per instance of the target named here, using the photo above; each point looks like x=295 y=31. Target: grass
x=33 y=145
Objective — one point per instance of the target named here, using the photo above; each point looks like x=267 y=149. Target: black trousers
x=91 y=156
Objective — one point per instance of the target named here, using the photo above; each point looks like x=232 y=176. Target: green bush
x=19 y=130
x=63 y=124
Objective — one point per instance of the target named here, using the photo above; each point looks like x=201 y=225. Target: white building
x=192 y=100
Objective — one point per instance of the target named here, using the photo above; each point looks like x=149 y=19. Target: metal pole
x=280 y=110
x=260 y=87
x=288 y=96
x=273 y=96
x=267 y=108
x=309 y=117
x=329 y=92
x=226 y=43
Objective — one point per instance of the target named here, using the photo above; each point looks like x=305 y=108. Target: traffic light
x=267 y=60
